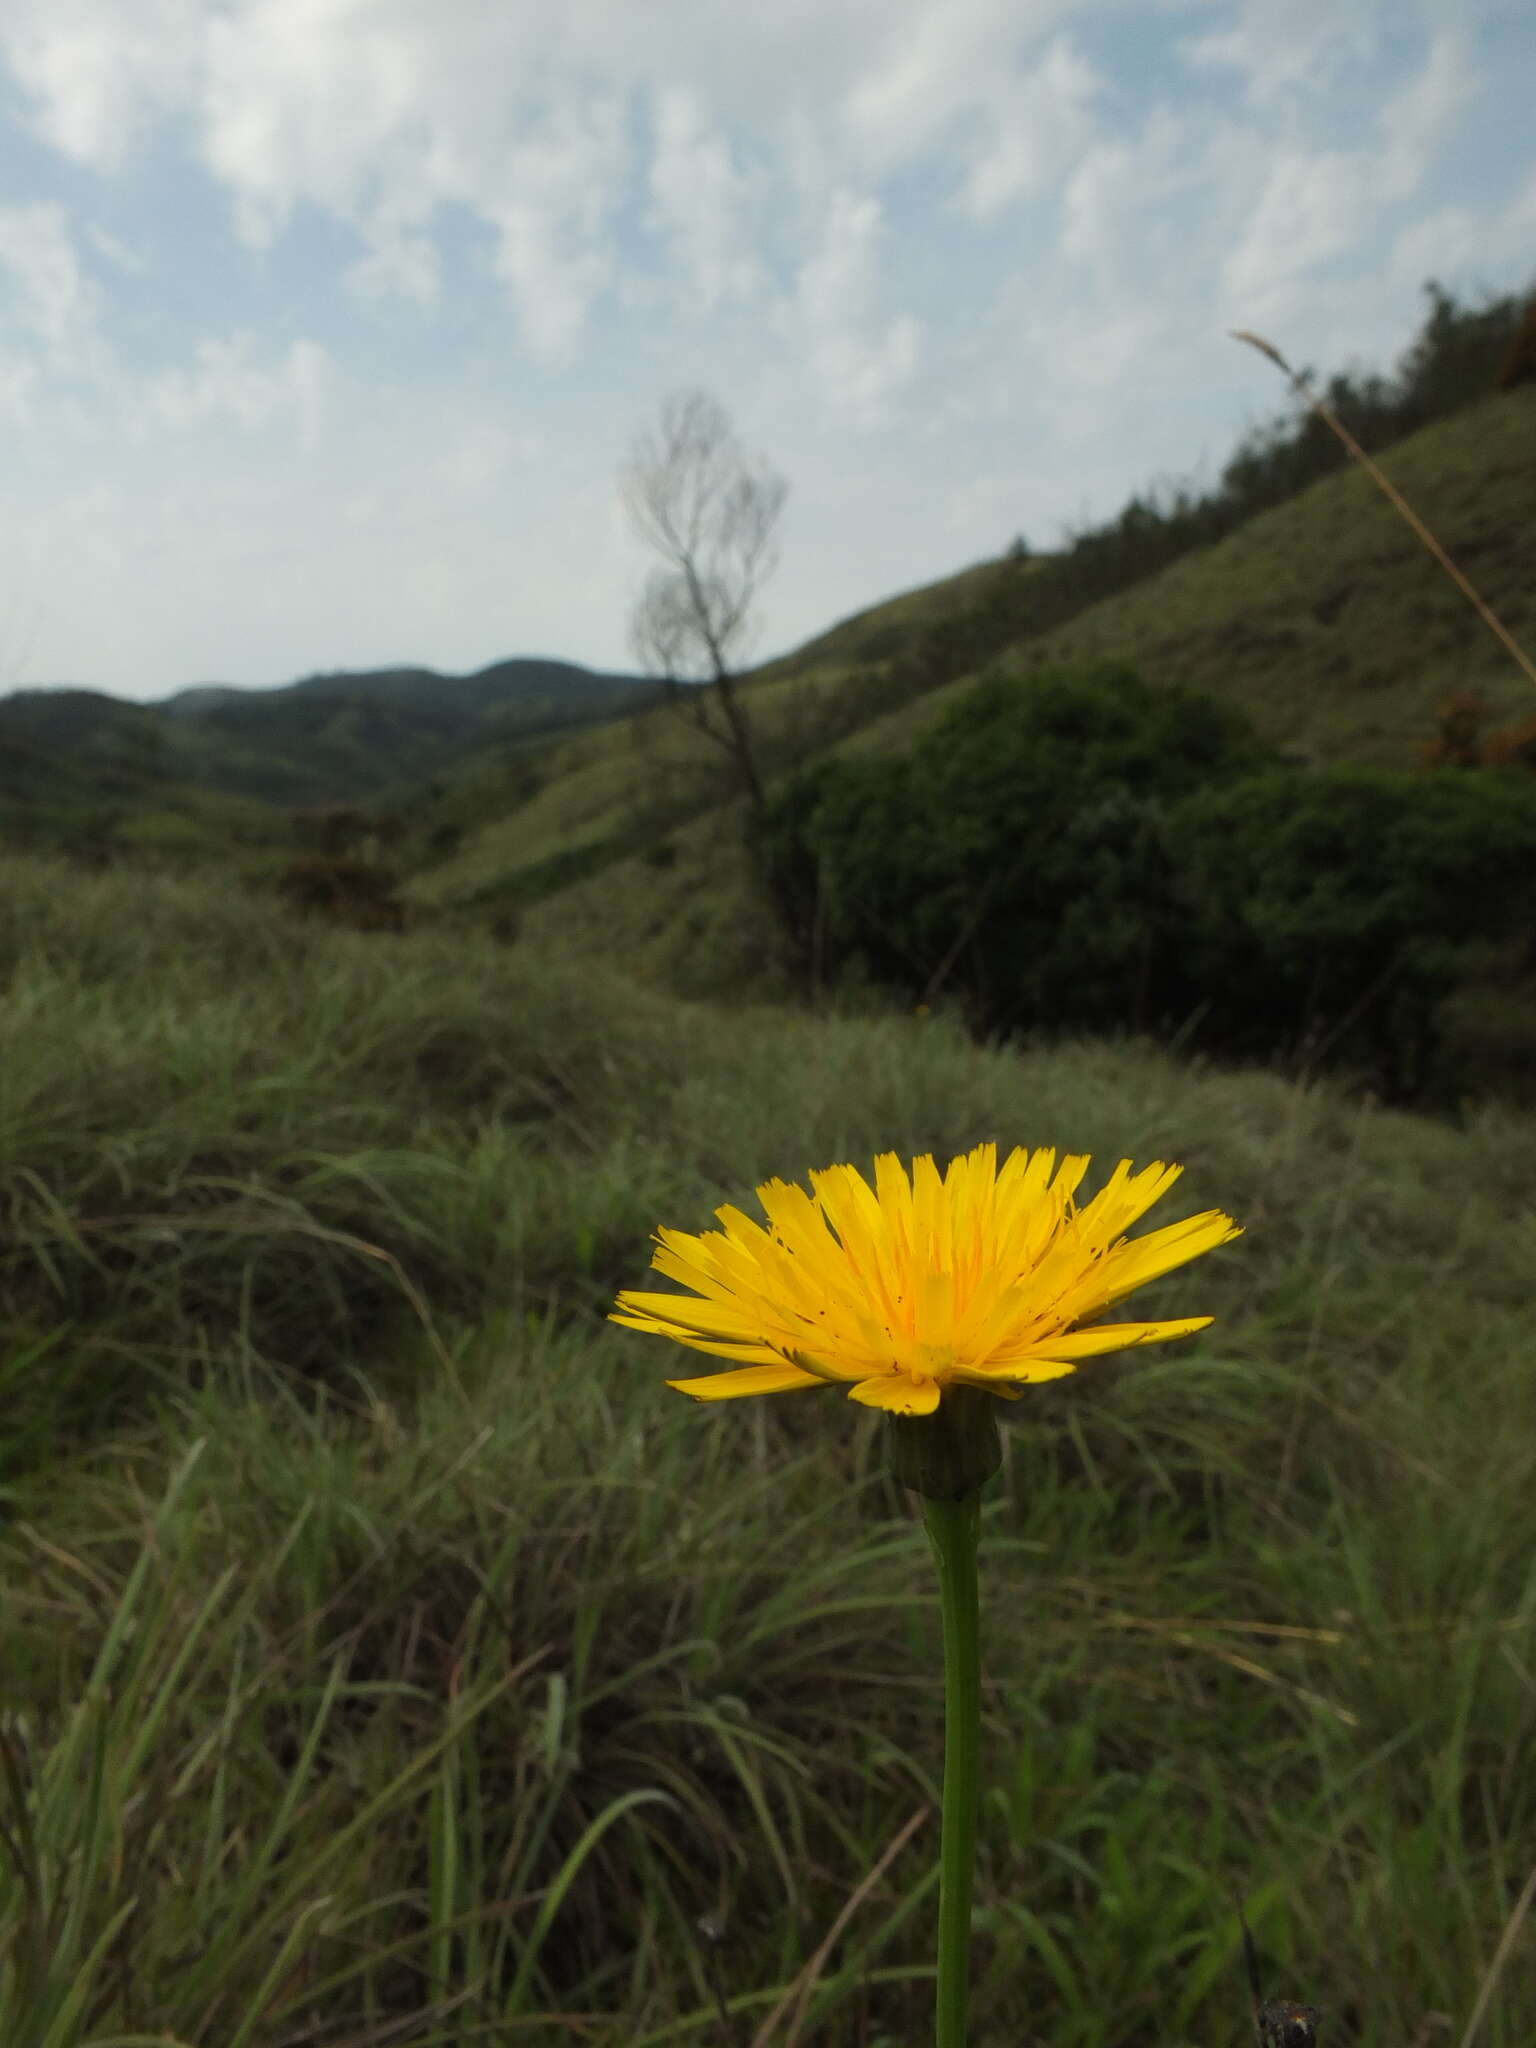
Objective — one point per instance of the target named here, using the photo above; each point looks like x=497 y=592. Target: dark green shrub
x=1325 y=911
x=1456 y=739
x=1016 y=857
x=1087 y=854
x=1511 y=746
x=331 y=831
x=1519 y=365
x=348 y=892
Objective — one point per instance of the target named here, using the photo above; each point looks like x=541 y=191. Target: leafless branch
x=693 y=496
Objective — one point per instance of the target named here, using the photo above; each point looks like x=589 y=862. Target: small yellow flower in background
x=982 y=1277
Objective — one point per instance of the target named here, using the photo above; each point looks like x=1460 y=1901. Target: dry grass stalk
x=1331 y=420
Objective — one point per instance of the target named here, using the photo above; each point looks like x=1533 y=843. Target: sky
x=326 y=326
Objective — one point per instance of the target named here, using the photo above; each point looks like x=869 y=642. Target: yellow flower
x=982 y=1278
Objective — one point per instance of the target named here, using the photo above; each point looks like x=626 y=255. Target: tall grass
x=388 y=1657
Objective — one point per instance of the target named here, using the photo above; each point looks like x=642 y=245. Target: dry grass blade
x=1331 y=420
x=797 y=1997
x=1500 y=1956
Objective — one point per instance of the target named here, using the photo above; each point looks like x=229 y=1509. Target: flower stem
x=953 y=1527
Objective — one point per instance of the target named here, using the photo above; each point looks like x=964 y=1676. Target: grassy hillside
x=391 y=1657
x=382 y=734
x=1324 y=619
x=886 y=629
x=84 y=772
x=78 y=765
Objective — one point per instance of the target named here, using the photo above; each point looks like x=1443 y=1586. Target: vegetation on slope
x=1322 y=620
x=78 y=767
x=390 y=1657
x=1325 y=619
x=1319 y=619
x=1090 y=852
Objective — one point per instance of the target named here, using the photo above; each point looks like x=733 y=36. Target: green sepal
x=951 y=1453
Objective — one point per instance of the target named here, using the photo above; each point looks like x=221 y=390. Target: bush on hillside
x=1325 y=912
x=1016 y=858
x=1519 y=365
x=348 y=892
x=1511 y=746
x=333 y=831
x=1461 y=736
x=1456 y=737
x=1083 y=853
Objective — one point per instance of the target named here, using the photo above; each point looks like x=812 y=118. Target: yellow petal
x=1110 y=1337
x=753 y=1379
x=1141 y=1259
x=688 y=1311
x=898 y=1393
x=1026 y=1371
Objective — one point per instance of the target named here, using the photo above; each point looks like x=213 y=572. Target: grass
x=389 y=1657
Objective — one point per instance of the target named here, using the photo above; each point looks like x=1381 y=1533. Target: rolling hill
x=603 y=820
x=1323 y=618
x=343 y=738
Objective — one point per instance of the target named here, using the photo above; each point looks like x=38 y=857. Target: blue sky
x=326 y=325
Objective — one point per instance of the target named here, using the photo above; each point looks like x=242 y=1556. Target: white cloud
x=1310 y=208
x=1313 y=204
x=1490 y=249
x=485 y=457
x=225 y=387
x=860 y=359
x=1281 y=52
x=383 y=117
x=314 y=100
x=18 y=382
x=559 y=184
x=114 y=251
x=1134 y=210
x=1040 y=124
x=99 y=70
x=384 y=114
x=1434 y=245
x=928 y=69
x=701 y=202
x=1096 y=206
x=1417 y=120
x=402 y=263
x=37 y=253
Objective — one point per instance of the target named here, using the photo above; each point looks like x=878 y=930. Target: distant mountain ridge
x=344 y=737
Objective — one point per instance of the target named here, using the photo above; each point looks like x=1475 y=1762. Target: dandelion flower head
x=984 y=1276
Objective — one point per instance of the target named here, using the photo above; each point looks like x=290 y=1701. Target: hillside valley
x=541 y=799
x=393 y=1656
x=1323 y=620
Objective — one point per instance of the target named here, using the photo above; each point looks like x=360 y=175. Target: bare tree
x=709 y=512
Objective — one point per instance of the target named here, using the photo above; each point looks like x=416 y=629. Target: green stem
x=953 y=1526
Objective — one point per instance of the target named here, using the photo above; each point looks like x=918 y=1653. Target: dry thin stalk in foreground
x=799 y=1993
x=1500 y=1954
x=1331 y=420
